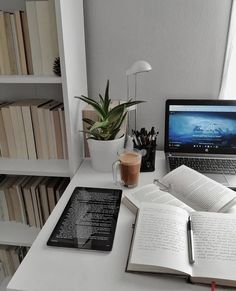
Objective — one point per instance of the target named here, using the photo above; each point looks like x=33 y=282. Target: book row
x=29 y=199
x=29 y=40
x=10 y=259
x=33 y=129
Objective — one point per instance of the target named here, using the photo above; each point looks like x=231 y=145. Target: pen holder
x=148 y=157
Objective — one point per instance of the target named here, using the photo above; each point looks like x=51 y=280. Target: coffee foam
x=130 y=158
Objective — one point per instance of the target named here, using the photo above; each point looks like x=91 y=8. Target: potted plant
x=104 y=138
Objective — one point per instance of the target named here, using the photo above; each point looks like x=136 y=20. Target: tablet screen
x=88 y=220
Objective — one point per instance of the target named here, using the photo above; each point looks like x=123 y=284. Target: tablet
x=88 y=220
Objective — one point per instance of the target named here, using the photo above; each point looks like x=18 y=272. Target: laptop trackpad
x=218 y=178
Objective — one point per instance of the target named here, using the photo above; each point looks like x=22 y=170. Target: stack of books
x=33 y=129
x=10 y=259
x=30 y=199
x=29 y=40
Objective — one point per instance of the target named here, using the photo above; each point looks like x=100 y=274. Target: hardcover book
x=160 y=244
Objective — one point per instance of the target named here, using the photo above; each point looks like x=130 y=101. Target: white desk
x=51 y=268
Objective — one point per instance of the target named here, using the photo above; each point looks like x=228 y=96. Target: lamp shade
x=139 y=67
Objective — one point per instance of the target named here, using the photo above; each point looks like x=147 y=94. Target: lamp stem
x=128 y=115
x=135 y=95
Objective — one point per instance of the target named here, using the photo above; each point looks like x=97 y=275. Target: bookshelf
x=29 y=79
x=73 y=82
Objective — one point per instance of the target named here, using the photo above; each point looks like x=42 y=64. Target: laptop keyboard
x=211 y=166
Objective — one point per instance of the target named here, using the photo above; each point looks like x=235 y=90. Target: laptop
x=202 y=135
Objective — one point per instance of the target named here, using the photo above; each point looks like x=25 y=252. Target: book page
x=198 y=191
x=160 y=239
x=152 y=193
x=214 y=239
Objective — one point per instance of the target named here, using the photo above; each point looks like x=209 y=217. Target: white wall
x=183 y=40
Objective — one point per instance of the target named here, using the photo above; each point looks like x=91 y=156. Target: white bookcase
x=73 y=82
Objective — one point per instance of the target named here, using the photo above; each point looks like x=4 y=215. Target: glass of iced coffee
x=128 y=163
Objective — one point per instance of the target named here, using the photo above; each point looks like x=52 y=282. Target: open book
x=160 y=244
x=185 y=188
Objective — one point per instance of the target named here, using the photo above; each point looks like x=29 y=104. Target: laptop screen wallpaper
x=202 y=128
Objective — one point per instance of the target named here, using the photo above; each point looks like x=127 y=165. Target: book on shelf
x=47 y=36
x=45 y=128
x=29 y=43
x=37 y=201
x=4 y=151
x=63 y=131
x=10 y=43
x=16 y=200
x=9 y=131
x=61 y=187
x=2 y=272
x=160 y=244
x=34 y=37
x=44 y=198
x=4 y=52
x=4 y=214
x=5 y=187
x=26 y=39
x=15 y=44
x=36 y=126
x=50 y=128
x=33 y=129
x=19 y=201
x=29 y=131
x=10 y=259
x=29 y=199
x=57 y=138
x=51 y=192
x=20 y=41
x=18 y=129
x=185 y=188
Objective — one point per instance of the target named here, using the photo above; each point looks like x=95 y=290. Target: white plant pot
x=104 y=152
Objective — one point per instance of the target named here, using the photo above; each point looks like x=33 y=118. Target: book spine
x=34 y=37
x=19 y=132
x=26 y=38
x=43 y=133
x=3 y=138
x=10 y=44
x=28 y=125
x=9 y=132
x=63 y=132
x=20 y=41
x=57 y=131
x=6 y=67
x=46 y=38
x=15 y=44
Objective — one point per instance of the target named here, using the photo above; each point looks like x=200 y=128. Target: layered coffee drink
x=130 y=163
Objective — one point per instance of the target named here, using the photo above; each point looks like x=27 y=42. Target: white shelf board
x=30 y=79
x=17 y=234
x=55 y=168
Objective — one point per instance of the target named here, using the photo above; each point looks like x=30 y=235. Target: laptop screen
x=200 y=126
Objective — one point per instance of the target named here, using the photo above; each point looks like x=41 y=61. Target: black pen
x=190 y=240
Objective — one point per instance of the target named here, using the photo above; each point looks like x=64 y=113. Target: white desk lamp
x=136 y=68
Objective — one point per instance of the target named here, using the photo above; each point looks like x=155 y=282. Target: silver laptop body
x=202 y=135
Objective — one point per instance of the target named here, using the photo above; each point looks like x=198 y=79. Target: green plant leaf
x=101 y=98
x=99 y=124
x=110 y=119
x=89 y=121
x=94 y=104
x=106 y=98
